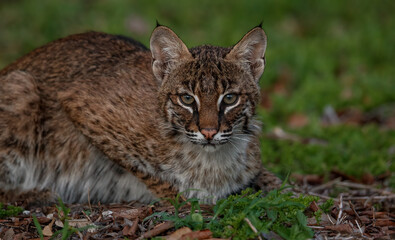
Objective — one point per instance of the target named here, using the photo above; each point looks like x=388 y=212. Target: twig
x=316 y=227
x=330 y=219
x=87 y=216
x=89 y=200
x=355 y=212
x=252 y=227
x=321 y=196
x=340 y=210
x=360 y=230
x=363 y=186
x=325 y=185
x=371 y=198
x=158 y=229
x=374 y=216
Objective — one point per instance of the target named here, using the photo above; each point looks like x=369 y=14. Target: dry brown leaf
x=47 y=231
x=9 y=234
x=43 y=220
x=178 y=234
x=368 y=178
x=79 y=223
x=312 y=179
x=130 y=214
x=59 y=223
x=130 y=229
x=384 y=222
x=298 y=120
x=314 y=207
x=204 y=234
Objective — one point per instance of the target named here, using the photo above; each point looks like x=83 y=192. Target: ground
x=327 y=92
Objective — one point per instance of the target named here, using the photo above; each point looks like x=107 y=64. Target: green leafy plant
x=194 y=220
x=67 y=230
x=9 y=211
x=278 y=212
x=327 y=205
x=237 y=215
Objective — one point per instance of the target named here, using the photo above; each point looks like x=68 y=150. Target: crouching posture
x=101 y=116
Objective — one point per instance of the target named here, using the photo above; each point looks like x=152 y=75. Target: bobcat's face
x=208 y=94
x=208 y=99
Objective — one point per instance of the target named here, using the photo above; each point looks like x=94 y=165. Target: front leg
x=266 y=181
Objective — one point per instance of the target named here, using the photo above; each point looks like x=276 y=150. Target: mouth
x=210 y=143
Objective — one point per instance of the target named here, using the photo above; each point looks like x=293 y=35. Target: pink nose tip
x=208 y=133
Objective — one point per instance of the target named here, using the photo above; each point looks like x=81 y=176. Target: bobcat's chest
x=210 y=174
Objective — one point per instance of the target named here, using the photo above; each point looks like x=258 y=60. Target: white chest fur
x=210 y=172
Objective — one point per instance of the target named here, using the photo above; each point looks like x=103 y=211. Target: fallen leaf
x=368 y=178
x=59 y=223
x=130 y=228
x=9 y=234
x=336 y=173
x=47 y=231
x=314 y=207
x=43 y=220
x=204 y=234
x=311 y=179
x=298 y=120
x=384 y=222
x=126 y=213
x=178 y=234
x=266 y=101
x=79 y=223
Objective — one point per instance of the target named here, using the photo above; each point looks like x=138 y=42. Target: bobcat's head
x=208 y=94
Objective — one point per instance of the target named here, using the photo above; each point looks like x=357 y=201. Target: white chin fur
x=211 y=148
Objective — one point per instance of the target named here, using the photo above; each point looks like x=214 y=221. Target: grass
x=9 y=211
x=320 y=49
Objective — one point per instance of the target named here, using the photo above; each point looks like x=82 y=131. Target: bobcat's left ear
x=167 y=51
x=250 y=52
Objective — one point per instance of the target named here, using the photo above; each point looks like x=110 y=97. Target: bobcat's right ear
x=249 y=52
x=167 y=50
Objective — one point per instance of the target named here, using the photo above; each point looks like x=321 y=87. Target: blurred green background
x=325 y=60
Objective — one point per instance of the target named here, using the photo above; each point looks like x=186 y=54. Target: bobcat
x=100 y=117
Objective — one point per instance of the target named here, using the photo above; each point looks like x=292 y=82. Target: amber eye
x=187 y=99
x=230 y=99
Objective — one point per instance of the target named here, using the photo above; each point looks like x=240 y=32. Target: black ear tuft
x=260 y=24
x=157 y=23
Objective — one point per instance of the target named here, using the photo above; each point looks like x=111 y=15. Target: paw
x=29 y=199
